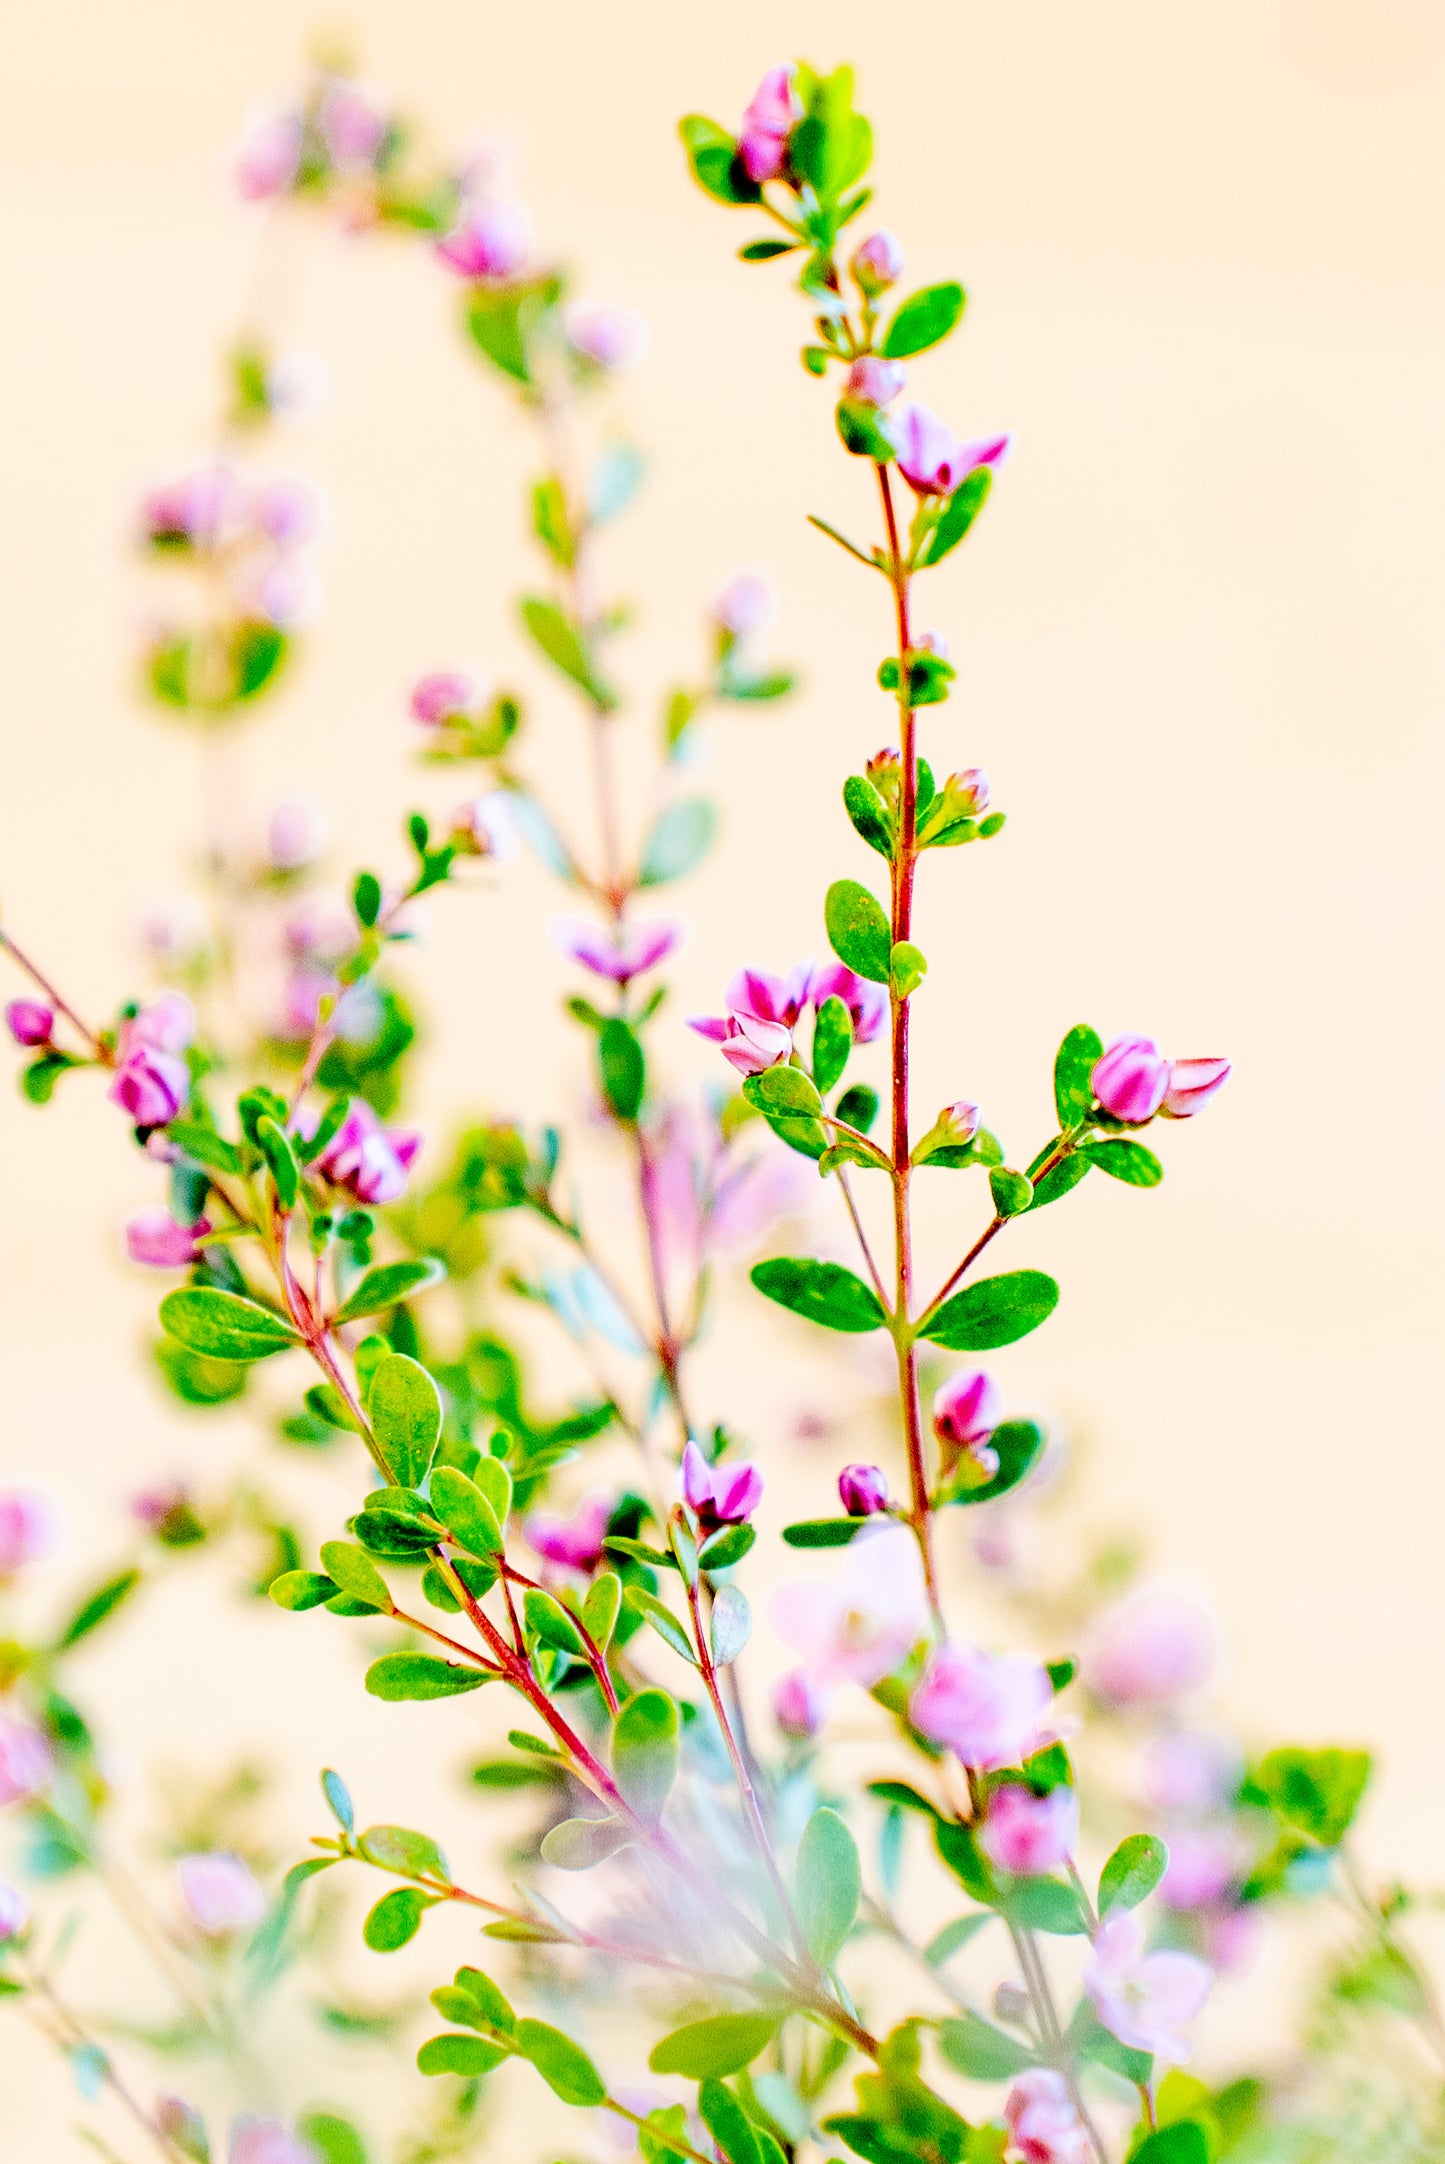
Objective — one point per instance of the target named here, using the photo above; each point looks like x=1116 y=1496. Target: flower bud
x=967 y=792
x=1012 y=2003
x=966 y=1410
x=445 y=695
x=182 y=2126
x=930 y=642
x=885 y=771
x=608 y=337
x=767 y=124
x=801 y=1705
x=877 y=263
x=954 y=1129
x=221 y=1894
x=29 y=1022
x=295 y=834
x=485 y=827
x=1192 y=1082
x=1131 y=1079
x=154 y=1238
x=490 y=240
x=874 y=382
x=1027 y=1834
x=745 y=606
x=351 y=124
x=270 y=156
x=14 y=1913
x=31 y=1528
x=863 y=1490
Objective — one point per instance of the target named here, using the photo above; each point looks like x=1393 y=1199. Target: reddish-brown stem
x=1055 y=1157
x=61 y=1006
x=873 y=1270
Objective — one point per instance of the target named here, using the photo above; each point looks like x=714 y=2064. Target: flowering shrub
x=734 y=1882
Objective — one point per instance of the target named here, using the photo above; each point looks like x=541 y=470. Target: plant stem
x=60 y=1005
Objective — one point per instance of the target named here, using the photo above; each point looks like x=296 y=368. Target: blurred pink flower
x=14 y=1913
x=986 y=1707
x=26 y=1763
x=1185 y=1770
x=867 y=1004
x=490 y=240
x=767 y=123
x=1028 y=1834
x=266 y=2141
x=858 y=1627
x=874 y=382
x=353 y=126
x=152 y=1081
x=930 y=457
x=222 y=1895
x=270 y=155
x=1192 y=1082
x=746 y=605
x=1146 y=2000
x=444 y=695
x=608 y=337
x=29 y=1022
x=621 y=956
x=576 y=1542
x=295 y=834
x=801 y=1705
x=370 y=1160
x=32 y=1527
x=1044 y=2126
x=1203 y=1862
x=1150 y=1648
x=486 y=826
x=154 y=1238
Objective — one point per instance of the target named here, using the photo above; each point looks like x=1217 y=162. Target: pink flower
x=29 y=1022
x=1146 y=2000
x=745 y=606
x=876 y=383
x=1131 y=1079
x=1203 y=1861
x=1150 y=1648
x=626 y=954
x=867 y=1003
x=985 y=1706
x=930 y=457
x=718 y=1494
x=151 y=1082
x=222 y=1895
x=858 y=1628
x=295 y=834
x=154 y=1238
x=14 y=1913
x=877 y=262
x=752 y=1046
x=1192 y=1082
x=1027 y=1834
x=768 y=997
x=353 y=128
x=486 y=827
x=270 y=156
x=370 y=1160
x=767 y=124
x=26 y=1763
x=608 y=337
x=445 y=695
x=289 y=511
x=966 y=1410
x=1186 y=1770
x=489 y=240
x=801 y=1705
x=576 y=1542
x=1044 y=2127
x=266 y=2141
x=31 y=1528
x=756 y=1031
x=863 y=1490
x=167 y=1025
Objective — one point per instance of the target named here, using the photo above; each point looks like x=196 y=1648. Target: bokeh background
x=1198 y=639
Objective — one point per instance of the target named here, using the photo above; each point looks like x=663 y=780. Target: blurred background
x=1198 y=646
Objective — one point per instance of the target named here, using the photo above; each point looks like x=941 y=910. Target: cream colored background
x=1199 y=652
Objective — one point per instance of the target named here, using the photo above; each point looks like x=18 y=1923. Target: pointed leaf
x=563 y=2065
x=721 y=2044
x=222 y=1326
x=398 y=1676
x=824 y=1292
x=1132 y=1872
x=924 y=318
x=405 y=1411
x=995 y=1312
x=351 y=1568
x=386 y=1284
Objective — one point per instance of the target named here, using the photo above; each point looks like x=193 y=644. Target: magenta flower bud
x=31 y=1528
x=485 y=827
x=270 y=156
x=1043 y=2121
x=369 y=1160
x=967 y=1409
x=801 y=1705
x=29 y=1022
x=767 y=124
x=746 y=605
x=490 y=240
x=295 y=834
x=718 y=1494
x=1151 y=1648
x=863 y=1490
x=1146 y=2000
x=877 y=263
x=353 y=128
x=26 y=1763
x=608 y=337
x=1131 y=1079
x=14 y=1913
x=876 y=383
x=625 y=954
x=930 y=457
x=867 y=1003
x=169 y=1513
x=1027 y=1834
x=150 y=1087
x=573 y=1543
x=985 y=1707
x=221 y=1894
x=445 y=695
x=154 y=1238
x=1192 y=1082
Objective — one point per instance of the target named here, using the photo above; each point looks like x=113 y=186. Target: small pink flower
x=877 y=262
x=270 y=156
x=867 y=1003
x=608 y=337
x=353 y=127
x=266 y=2141
x=26 y=1763
x=966 y=1410
x=858 y=1627
x=1146 y=2000
x=490 y=240
x=930 y=457
x=445 y=695
x=168 y=1024
x=876 y=383
x=574 y=1543
x=985 y=1706
x=203 y=507
x=370 y=1160
x=801 y=1705
x=621 y=957
x=756 y=1031
x=768 y=997
x=14 y=1913
x=149 y=1086
x=1192 y=1082
x=295 y=834
x=746 y=606
x=289 y=511
x=767 y=124
x=718 y=1494
x=1150 y=1648
x=1186 y=1770
x=486 y=827
x=154 y=1238
x=30 y=1023
x=752 y=1046
x=31 y=1528
x=1044 y=2126
x=222 y=1895
x=863 y=1490
x=1027 y=1834
x=1131 y=1079
x=1203 y=1862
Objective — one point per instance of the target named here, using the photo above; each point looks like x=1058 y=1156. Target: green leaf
x=549 y=1622
x=338 y=1799
x=1018 y=1444
x=857 y=929
x=975 y=2048
x=495 y=1482
x=1124 y=1159
x=325 y=1403
x=822 y=1532
x=677 y=841
x=1047 y=1904
x=907 y=968
x=622 y=1066
x=1317 y=1791
x=397 y=1676
x=600 y=1607
x=405 y=1411
x=468 y=2056
x=869 y=814
x=396 y=1919
x=645 y=1750
x=925 y=317
x=300 y=1589
x=1055 y=1184
x=386 y=1284
x=1012 y=1191
x=281 y=1160
x=352 y=1569
x=763 y=251
x=1132 y=1872
x=466 y=1513
x=863 y=432
x=616 y=477
x=788 y=1101
x=1074 y=1064
x=101 y=1604
x=954 y=1937
x=995 y=1312
x=732 y=1623
x=727 y=2122
x=563 y=2065
x=578 y=1843
x=957 y=516
x=1185 y=2142
x=823 y=1292
x=205 y=1146
x=830 y=1884
x=712 y=154
x=858 y=1106
x=222 y=1326
x=487 y=2007
x=335 y=2141
x=563 y=644
x=728 y=1545
x=832 y=1043
x=720 y=2044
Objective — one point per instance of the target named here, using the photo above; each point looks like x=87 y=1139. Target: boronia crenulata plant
x=799 y=1946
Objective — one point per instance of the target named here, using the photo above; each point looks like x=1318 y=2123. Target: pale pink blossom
x=767 y=123
x=1150 y=1648
x=986 y=1707
x=877 y=262
x=29 y=1022
x=867 y=1003
x=1203 y=1863
x=14 y=1913
x=266 y=2141
x=1027 y=1834
x=858 y=1627
x=289 y=510
x=621 y=955
x=747 y=1043
x=370 y=1160
x=1043 y=2125
x=26 y=1763
x=152 y=1081
x=1131 y=1079
x=1146 y=2000
x=930 y=457
x=352 y=124
x=718 y=1494
x=444 y=695
x=490 y=240
x=201 y=508
x=608 y=337
x=222 y=1895
x=270 y=155
x=801 y=1705
x=966 y=1410
x=746 y=605
x=1192 y=1082
x=574 y=1543
x=874 y=382
x=1186 y=1770
x=154 y=1238
x=295 y=834
x=32 y=1527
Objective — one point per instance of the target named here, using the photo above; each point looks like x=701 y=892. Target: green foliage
x=622 y=1067
x=832 y=1043
x=1125 y=1159
x=823 y=1292
x=713 y=155
x=350 y=1568
x=601 y=1606
x=1018 y=1444
x=718 y=2045
x=1012 y=1191
x=386 y=1284
x=1132 y=1872
x=660 y=1616
x=1316 y=1792
x=396 y=1919
x=466 y=1513
x=300 y=1589
x=975 y=2048
x=996 y=1311
x=863 y=432
x=398 y=1676
x=338 y=1800
x=858 y=1106
x=549 y=1622
x=469 y=2056
x=563 y=2065
x=822 y=1532
x=871 y=817
x=405 y=1411
x=727 y=2122
x=280 y=1156
x=1185 y=2142
x=832 y=145
x=561 y=640
x=645 y=1751
x=1074 y=1065
x=925 y=318
x=858 y=929
x=731 y=1625
x=677 y=841
x=789 y=1102
x=728 y=1545
x=578 y=1843
x=830 y=1884
x=334 y=2140
x=97 y=1608
x=1057 y=1182
x=958 y=514
x=222 y=1326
